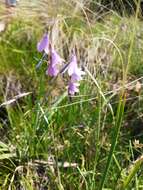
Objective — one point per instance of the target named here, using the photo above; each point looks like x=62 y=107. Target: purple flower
x=52 y=71
x=55 y=58
x=73 y=70
x=43 y=45
x=73 y=88
x=77 y=75
x=72 y=65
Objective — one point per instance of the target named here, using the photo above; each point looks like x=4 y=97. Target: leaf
x=132 y=172
x=6 y=156
x=3 y=145
x=3 y=150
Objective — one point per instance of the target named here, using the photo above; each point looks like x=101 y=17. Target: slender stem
x=118 y=122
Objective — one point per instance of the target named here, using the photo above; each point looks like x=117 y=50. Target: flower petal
x=43 y=45
x=55 y=58
x=52 y=71
x=72 y=65
x=73 y=88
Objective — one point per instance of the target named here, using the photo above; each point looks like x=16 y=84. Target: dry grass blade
x=52 y=163
x=8 y=102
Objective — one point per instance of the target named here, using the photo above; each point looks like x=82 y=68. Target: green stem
x=118 y=122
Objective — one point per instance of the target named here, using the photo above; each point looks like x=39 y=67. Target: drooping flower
x=43 y=45
x=73 y=70
x=72 y=65
x=75 y=74
x=55 y=58
x=55 y=61
x=52 y=71
x=73 y=88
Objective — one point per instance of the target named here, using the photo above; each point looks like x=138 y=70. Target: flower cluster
x=75 y=74
x=55 y=61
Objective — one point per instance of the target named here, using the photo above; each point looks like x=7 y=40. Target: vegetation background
x=93 y=140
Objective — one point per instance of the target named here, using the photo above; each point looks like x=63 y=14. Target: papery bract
x=44 y=57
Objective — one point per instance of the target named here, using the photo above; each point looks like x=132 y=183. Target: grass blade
x=118 y=122
x=134 y=169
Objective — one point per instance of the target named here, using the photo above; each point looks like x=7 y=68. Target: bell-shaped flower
x=43 y=45
x=73 y=88
x=72 y=65
x=73 y=70
x=55 y=58
x=52 y=71
x=77 y=75
x=55 y=61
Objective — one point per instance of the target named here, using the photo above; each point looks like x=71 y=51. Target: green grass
x=87 y=142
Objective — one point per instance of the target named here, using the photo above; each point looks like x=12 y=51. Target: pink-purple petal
x=73 y=88
x=55 y=58
x=72 y=65
x=52 y=71
x=43 y=45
